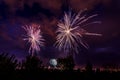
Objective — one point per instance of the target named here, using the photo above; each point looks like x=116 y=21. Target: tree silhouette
x=88 y=67
x=32 y=63
x=7 y=63
x=66 y=63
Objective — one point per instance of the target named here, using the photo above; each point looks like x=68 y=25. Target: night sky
x=102 y=50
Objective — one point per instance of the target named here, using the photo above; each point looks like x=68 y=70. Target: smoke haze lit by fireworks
x=70 y=31
x=34 y=38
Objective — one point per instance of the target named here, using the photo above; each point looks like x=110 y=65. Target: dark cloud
x=53 y=5
x=89 y=4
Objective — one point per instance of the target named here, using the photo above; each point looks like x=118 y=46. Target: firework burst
x=34 y=38
x=70 y=31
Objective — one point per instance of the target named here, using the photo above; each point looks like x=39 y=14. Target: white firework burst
x=70 y=31
x=34 y=38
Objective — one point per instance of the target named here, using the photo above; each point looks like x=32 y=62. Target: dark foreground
x=33 y=69
x=59 y=75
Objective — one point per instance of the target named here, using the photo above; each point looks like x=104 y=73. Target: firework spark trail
x=34 y=37
x=70 y=31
